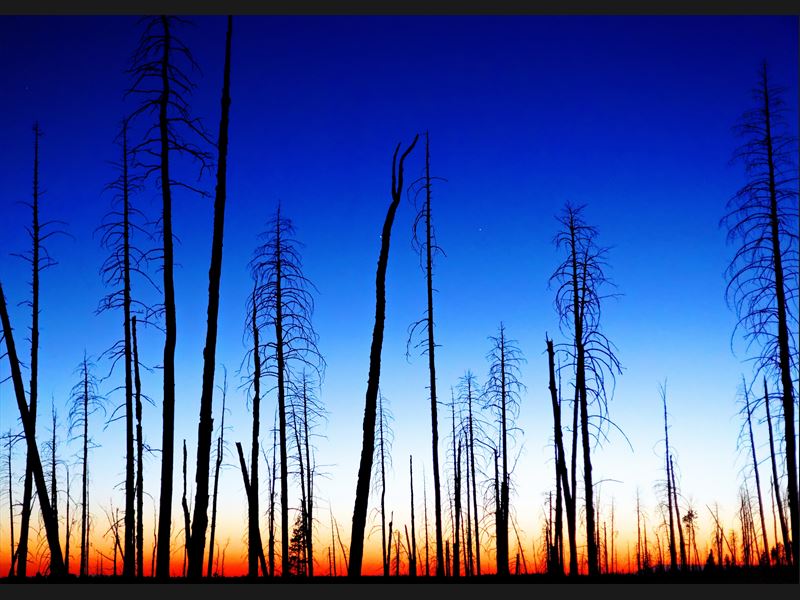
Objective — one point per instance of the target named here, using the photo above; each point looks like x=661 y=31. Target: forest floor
x=734 y=575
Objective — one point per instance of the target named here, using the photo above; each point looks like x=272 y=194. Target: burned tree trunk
x=677 y=515
x=48 y=514
x=217 y=467
x=249 y=491
x=205 y=428
x=139 y=454
x=368 y=444
x=787 y=547
x=673 y=559
x=561 y=468
x=412 y=561
x=757 y=477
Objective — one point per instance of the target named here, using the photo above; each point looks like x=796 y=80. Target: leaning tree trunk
x=48 y=514
x=677 y=515
x=368 y=444
x=205 y=428
x=758 y=479
x=673 y=559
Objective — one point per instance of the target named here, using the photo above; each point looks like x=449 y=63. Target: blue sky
x=630 y=116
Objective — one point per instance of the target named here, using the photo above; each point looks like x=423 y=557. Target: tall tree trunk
x=129 y=556
x=502 y=541
x=48 y=515
x=217 y=466
x=53 y=478
x=248 y=490
x=474 y=480
x=139 y=455
x=281 y=369
x=27 y=489
x=253 y=530
x=205 y=428
x=673 y=559
x=84 y=569
x=186 y=516
x=310 y=486
x=431 y=359
x=784 y=353
x=272 y=480
x=381 y=441
x=13 y=552
x=787 y=547
x=368 y=444
x=170 y=326
x=758 y=478
x=561 y=466
x=677 y=515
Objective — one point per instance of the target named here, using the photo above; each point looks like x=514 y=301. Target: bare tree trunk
x=67 y=527
x=13 y=552
x=677 y=515
x=425 y=504
x=673 y=559
x=48 y=516
x=168 y=407
x=456 y=496
x=253 y=530
x=561 y=468
x=139 y=455
x=272 y=479
x=249 y=492
x=368 y=445
x=53 y=478
x=784 y=353
x=309 y=537
x=474 y=480
x=382 y=448
x=217 y=466
x=205 y=428
x=758 y=478
x=186 y=518
x=787 y=547
x=27 y=490
x=84 y=568
x=431 y=359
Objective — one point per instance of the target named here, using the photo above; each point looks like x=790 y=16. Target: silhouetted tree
x=562 y=480
x=205 y=428
x=285 y=305
x=85 y=401
x=424 y=240
x=673 y=560
x=34 y=460
x=412 y=544
x=273 y=477
x=383 y=450
x=373 y=380
x=137 y=386
x=787 y=547
x=256 y=543
x=752 y=444
x=217 y=466
x=39 y=259
x=10 y=439
x=468 y=393
x=678 y=521
x=123 y=260
x=581 y=281
x=159 y=79
x=502 y=397
x=763 y=273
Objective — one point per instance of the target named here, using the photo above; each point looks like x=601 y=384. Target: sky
x=630 y=116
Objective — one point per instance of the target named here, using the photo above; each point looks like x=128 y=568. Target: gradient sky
x=631 y=116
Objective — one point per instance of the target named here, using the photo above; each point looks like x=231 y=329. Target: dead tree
x=787 y=547
x=562 y=480
x=205 y=427
x=137 y=386
x=85 y=401
x=373 y=380
x=468 y=393
x=39 y=259
x=502 y=396
x=673 y=559
x=752 y=444
x=48 y=514
x=160 y=81
x=273 y=476
x=217 y=466
x=763 y=273
x=424 y=240
x=383 y=450
x=678 y=521
x=124 y=259
x=256 y=543
x=581 y=284
x=10 y=440
x=284 y=305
